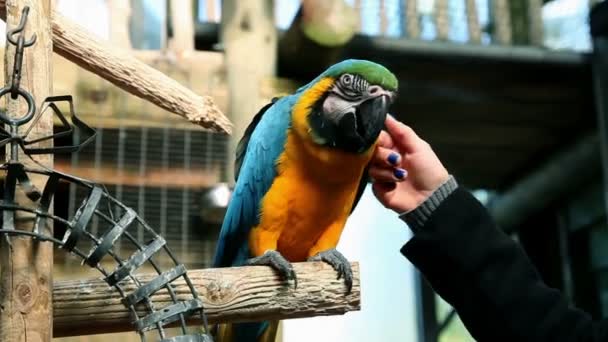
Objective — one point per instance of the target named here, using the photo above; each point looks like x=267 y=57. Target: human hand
x=404 y=168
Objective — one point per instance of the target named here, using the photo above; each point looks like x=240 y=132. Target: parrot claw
x=275 y=260
x=339 y=263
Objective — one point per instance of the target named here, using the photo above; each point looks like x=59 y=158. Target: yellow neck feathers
x=302 y=149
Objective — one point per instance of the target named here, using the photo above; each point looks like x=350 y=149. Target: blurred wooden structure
x=501 y=110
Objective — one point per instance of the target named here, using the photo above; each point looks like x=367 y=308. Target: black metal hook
x=20 y=44
x=19 y=29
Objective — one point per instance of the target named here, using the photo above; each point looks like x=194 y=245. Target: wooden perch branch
x=85 y=307
x=121 y=68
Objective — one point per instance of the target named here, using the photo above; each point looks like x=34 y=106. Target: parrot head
x=350 y=111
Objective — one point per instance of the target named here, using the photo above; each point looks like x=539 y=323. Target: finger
x=385 y=140
x=386 y=174
x=381 y=188
x=387 y=157
x=402 y=136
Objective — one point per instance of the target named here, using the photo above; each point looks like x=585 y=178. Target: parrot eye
x=354 y=84
x=347 y=79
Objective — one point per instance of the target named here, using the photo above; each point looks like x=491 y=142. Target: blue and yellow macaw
x=300 y=171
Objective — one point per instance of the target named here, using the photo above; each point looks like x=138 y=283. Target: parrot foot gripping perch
x=332 y=257
x=339 y=263
x=275 y=260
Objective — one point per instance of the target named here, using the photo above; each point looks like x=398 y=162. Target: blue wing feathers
x=256 y=173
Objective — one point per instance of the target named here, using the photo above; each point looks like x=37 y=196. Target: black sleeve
x=487 y=277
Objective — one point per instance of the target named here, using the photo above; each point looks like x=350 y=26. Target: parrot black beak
x=360 y=131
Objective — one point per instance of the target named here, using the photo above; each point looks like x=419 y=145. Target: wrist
x=417 y=218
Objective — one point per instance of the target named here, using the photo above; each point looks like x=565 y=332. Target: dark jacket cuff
x=417 y=218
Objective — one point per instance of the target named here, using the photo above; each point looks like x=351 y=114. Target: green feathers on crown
x=374 y=73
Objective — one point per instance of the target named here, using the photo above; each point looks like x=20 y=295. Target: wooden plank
x=108 y=174
x=248 y=29
x=235 y=294
x=126 y=72
x=26 y=266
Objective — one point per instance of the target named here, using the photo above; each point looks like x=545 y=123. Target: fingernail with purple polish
x=400 y=173
x=393 y=158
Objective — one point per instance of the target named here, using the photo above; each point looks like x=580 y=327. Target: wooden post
x=501 y=21
x=535 y=19
x=357 y=7
x=383 y=18
x=120 y=13
x=599 y=65
x=251 y=293
x=412 y=24
x=211 y=11
x=181 y=14
x=473 y=22
x=441 y=19
x=26 y=275
x=249 y=36
x=520 y=23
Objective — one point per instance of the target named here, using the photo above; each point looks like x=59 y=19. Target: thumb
x=404 y=138
x=381 y=189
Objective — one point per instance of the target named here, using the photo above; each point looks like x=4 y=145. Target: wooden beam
x=248 y=29
x=26 y=266
x=252 y=293
x=128 y=73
